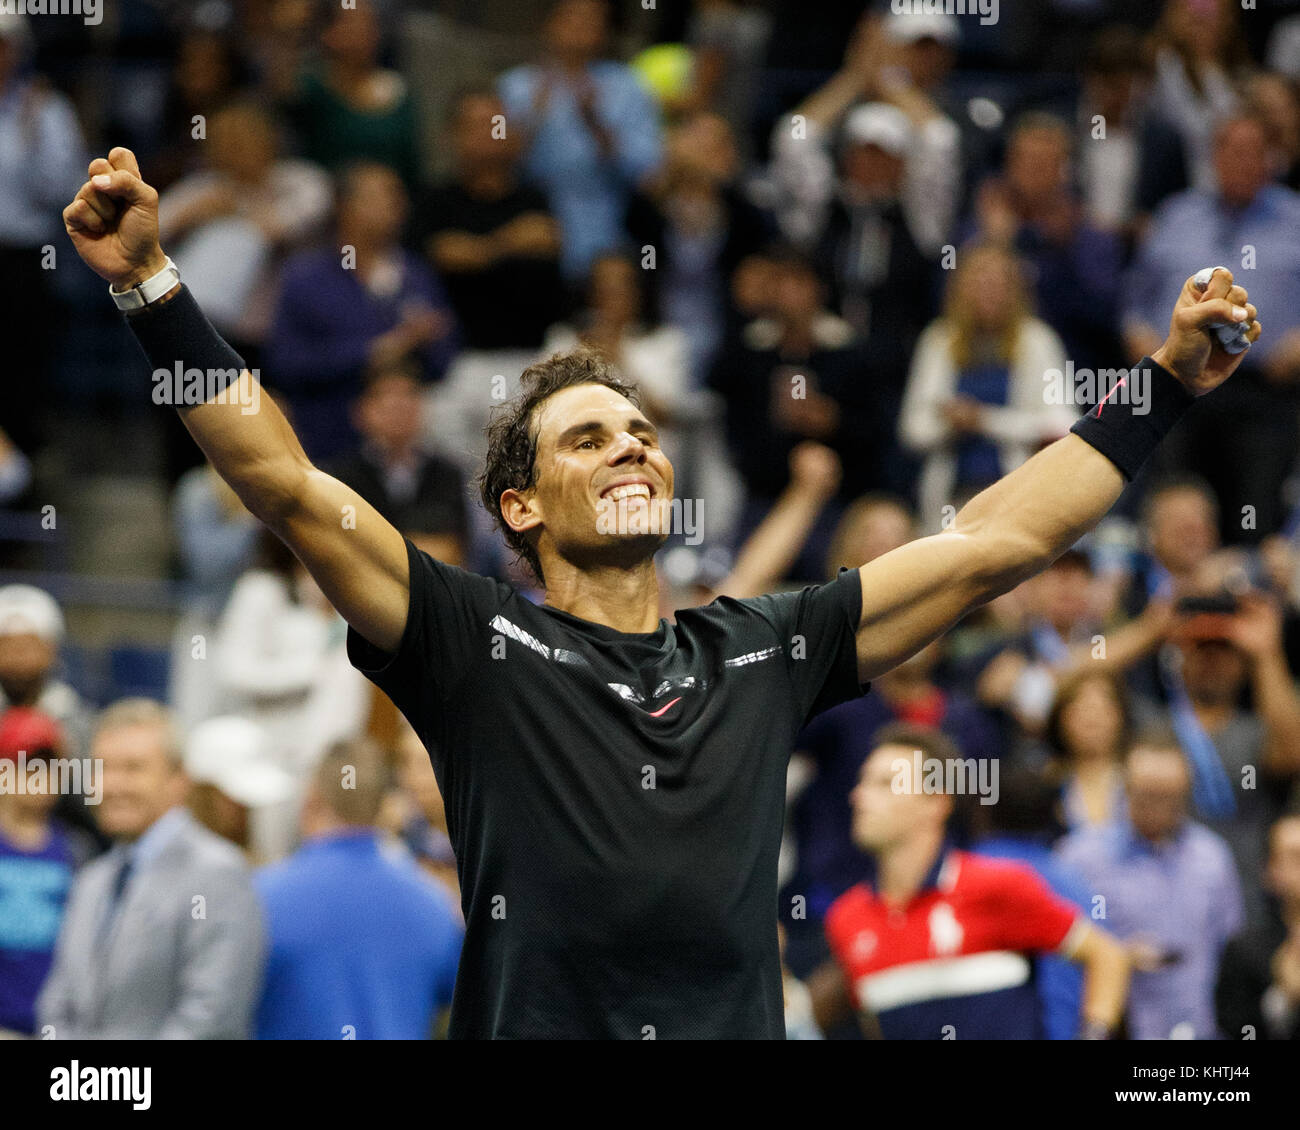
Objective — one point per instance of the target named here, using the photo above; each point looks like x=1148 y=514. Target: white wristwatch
x=152 y=289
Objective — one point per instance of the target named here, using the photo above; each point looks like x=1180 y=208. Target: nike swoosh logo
x=1119 y=384
x=659 y=713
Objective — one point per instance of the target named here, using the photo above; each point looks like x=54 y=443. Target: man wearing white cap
x=238 y=791
x=900 y=62
x=31 y=629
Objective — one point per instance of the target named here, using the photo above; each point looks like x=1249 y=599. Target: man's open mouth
x=620 y=491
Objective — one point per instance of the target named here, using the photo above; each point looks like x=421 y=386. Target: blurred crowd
x=841 y=251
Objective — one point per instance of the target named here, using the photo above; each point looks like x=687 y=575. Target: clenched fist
x=113 y=222
x=1194 y=356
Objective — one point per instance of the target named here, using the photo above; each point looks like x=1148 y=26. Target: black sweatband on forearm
x=1127 y=426
x=177 y=338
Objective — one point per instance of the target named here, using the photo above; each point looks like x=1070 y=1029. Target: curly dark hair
x=512 y=433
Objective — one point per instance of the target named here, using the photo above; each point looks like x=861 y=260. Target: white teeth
x=635 y=490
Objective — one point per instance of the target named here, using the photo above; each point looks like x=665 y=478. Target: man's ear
x=521 y=510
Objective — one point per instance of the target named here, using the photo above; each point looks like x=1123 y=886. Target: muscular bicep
x=356 y=556
x=914 y=594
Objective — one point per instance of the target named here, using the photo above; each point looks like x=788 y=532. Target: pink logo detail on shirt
x=659 y=713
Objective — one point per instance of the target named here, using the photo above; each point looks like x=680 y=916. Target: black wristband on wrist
x=177 y=339
x=1129 y=422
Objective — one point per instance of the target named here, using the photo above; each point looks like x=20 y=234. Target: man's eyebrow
x=636 y=424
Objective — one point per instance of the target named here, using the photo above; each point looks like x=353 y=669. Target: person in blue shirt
x=593 y=132
x=363 y=945
x=38 y=857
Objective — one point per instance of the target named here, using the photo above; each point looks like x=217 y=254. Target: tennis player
x=614 y=782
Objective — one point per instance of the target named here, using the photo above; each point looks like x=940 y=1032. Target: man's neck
x=903 y=868
x=625 y=599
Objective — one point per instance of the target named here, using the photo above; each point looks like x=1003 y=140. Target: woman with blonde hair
x=976 y=403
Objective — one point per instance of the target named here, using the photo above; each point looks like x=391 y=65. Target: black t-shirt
x=615 y=799
x=514 y=302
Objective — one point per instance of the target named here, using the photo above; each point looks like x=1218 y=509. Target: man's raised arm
x=1024 y=521
x=358 y=559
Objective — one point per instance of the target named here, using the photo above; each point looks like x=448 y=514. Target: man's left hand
x=1191 y=352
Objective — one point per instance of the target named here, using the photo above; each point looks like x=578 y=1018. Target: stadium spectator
x=1258 y=993
x=1276 y=101
x=872 y=524
x=136 y=959
x=234 y=222
x=1169 y=892
x=768 y=552
x=592 y=130
x=926 y=911
x=1248 y=447
x=1244 y=762
x=415 y=813
x=867 y=176
x=215 y=537
x=42 y=157
x=362 y=944
x=31 y=630
x=1199 y=53
x=491 y=239
x=915 y=74
x=699 y=226
x=391 y=470
x=363 y=300
x=1061 y=635
x=925 y=188
x=1088 y=730
x=974 y=407
x=207 y=73
x=1128 y=159
x=837 y=743
x=1021 y=827
x=237 y=790
x=1031 y=209
x=1180 y=532
x=279 y=659
x=38 y=857
x=348 y=109
x=797 y=375
x=727 y=39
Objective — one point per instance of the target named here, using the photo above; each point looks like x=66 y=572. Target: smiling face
x=141 y=780
x=602 y=486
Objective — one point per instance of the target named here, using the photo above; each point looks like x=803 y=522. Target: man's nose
x=627 y=447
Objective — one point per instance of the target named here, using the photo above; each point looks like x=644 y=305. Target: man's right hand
x=113 y=222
